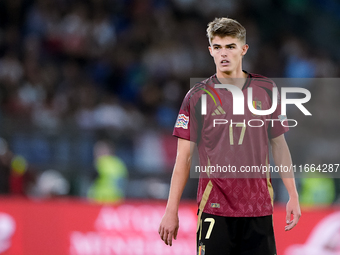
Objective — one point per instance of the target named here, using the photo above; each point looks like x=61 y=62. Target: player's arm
x=282 y=157
x=169 y=225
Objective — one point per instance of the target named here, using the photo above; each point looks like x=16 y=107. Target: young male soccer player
x=235 y=214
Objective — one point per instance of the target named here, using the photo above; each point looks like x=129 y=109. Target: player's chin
x=225 y=69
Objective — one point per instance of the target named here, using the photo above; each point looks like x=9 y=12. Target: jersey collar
x=245 y=85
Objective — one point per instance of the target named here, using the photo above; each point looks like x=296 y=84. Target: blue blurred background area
x=75 y=73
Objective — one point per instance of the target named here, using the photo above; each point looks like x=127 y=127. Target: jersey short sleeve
x=186 y=123
x=275 y=127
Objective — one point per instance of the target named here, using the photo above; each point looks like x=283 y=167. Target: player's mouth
x=225 y=62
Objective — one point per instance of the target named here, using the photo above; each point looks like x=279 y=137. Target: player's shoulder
x=262 y=81
x=199 y=87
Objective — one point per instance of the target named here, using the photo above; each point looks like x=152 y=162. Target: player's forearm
x=282 y=157
x=180 y=175
x=178 y=181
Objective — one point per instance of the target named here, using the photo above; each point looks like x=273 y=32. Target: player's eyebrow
x=231 y=44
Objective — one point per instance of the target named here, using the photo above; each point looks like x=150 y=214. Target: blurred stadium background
x=92 y=85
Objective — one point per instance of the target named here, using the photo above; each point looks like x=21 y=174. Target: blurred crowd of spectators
x=125 y=65
x=105 y=63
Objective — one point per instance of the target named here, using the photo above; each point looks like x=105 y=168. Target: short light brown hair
x=226 y=27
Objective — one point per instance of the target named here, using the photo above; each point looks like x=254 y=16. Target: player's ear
x=245 y=48
x=210 y=50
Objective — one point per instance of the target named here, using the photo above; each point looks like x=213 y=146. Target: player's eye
x=216 y=47
x=231 y=47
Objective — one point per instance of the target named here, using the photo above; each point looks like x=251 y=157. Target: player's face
x=227 y=53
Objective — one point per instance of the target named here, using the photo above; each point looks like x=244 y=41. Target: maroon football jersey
x=235 y=142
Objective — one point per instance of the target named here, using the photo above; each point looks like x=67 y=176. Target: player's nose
x=224 y=52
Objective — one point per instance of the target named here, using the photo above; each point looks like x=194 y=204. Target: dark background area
x=74 y=72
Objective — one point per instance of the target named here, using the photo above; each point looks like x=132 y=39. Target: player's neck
x=236 y=77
